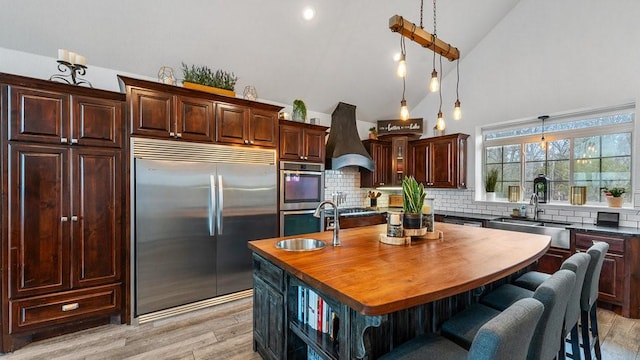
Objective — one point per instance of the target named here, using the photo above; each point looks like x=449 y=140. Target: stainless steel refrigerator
x=193 y=220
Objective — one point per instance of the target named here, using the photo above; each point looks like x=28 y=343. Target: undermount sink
x=557 y=230
x=300 y=244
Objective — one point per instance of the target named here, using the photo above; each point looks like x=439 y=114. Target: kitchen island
x=382 y=295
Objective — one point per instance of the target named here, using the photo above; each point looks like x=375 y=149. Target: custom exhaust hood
x=344 y=147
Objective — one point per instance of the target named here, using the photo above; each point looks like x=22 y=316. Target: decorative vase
x=614 y=202
x=412 y=221
x=491 y=196
x=373 y=136
x=209 y=89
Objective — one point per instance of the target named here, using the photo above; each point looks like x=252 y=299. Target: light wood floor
x=224 y=332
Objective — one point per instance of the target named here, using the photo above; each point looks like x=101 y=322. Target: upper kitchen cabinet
x=302 y=142
x=441 y=161
x=248 y=126
x=380 y=152
x=171 y=112
x=58 y=117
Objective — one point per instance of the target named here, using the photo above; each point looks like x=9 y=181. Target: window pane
x=559 y=190
x=494 y=154
x=512 y=153
x=593 y=190
x=558 y=150
x=616 y=144
x=586 y=147
x=533 y=151
x=586 y=170
x=511 y=173
x=533 y=169
x=618 y=168
x=558 y=170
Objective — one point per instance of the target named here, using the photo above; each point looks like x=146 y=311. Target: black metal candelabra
x=74 y=71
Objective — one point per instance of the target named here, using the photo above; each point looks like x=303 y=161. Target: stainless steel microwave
x=301 y=185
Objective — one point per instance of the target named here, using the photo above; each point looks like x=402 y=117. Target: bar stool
x=553 y=294
x=505 y=337
x=506 y=294
x=588 y=299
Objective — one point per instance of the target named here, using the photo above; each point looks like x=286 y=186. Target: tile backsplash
x=347 y=181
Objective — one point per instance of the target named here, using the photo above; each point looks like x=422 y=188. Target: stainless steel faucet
x=336 y=220
x=536 y=210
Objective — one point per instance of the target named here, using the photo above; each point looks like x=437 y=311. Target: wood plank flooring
x=224 y=332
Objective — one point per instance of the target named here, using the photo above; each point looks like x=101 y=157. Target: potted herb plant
x=413 y=195
x=299 y=110
x=203 y=78
x=614 y=196
x=490 y=182
x=373 y=132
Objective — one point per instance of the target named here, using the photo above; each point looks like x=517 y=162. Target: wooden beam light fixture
x=416 y=34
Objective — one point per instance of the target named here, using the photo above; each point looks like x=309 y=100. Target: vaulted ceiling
x=344 y=54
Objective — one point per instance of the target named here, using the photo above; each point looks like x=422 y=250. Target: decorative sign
x=407 y=127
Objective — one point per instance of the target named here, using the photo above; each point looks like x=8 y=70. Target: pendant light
x=543 y=143
x=404 y=110
x=457 y=112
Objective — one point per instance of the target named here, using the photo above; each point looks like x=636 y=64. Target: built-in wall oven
x=301 y=191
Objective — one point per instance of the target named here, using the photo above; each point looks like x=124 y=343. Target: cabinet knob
x=306 y=158
x=246 y=141
x=301 y=157
x=69 y=307
x=64 y=140
x=172 y=134
x=74 y=218
x=74 y=141
x=64 y=219
x=251 y=142
x=179 y=135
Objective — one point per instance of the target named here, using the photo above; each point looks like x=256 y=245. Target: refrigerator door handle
x=212 y=204
x=220 y=214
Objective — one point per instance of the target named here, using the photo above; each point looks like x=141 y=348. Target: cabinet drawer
x=40 y=311
x=585 y=240
x=268 y=272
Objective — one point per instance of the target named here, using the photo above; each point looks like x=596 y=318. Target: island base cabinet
x=268 y=309
x=552 y=260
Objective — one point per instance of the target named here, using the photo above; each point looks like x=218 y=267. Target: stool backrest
x=554 y=294
x=590 y=287
x=507 y=336
x=578 y=263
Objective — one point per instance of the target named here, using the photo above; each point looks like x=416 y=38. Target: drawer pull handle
x=69 y=307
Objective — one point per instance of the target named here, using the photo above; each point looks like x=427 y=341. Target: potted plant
x=614 y=196
x=299 y=110
x=413 y=195
x=373 y=132
x=204 y=79
x=490 y=182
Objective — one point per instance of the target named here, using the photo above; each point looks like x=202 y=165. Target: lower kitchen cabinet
x=619 y=284
x=551 y=261
x=268 y=309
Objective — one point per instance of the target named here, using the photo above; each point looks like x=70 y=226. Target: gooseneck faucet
x=336 y=218
x=536 y=210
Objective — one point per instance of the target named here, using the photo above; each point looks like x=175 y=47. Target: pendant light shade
x=401 y=71
x=457 y=111
x=404 y=110
x=434 y=84
x=440 y=124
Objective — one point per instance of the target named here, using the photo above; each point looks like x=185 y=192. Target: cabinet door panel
x=97 y=122
x=39 y=116
x=314 y=145
x=39 y=259
x=232 y=124
x=420 y=154
x=611 y=285
x=262 y=128
x=442 y=164
x=290 y=142
x=151 y=113
x=97 y=232
x=196 y=119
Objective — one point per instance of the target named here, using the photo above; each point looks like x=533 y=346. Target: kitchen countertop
x=467 y=215
x=608 y=229
x=375 y=278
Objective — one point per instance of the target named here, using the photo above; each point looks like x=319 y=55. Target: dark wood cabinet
x=302 y=142
x=551 y=261
x=170 y=112
x=269 y=309
x=64 y=209
x=619 y=284
x=440 y=162
x=380 y=152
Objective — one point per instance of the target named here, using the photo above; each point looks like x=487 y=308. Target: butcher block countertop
x=375 y=278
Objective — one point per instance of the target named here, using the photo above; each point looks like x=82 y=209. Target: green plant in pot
x=413 y=195
x=299 y=110
x=203 y=75
x=373 y=132
x=614 y=195
x=490 y=181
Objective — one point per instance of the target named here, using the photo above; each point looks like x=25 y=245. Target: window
x=589 y=149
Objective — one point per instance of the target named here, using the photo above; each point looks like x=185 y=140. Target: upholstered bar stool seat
x=505 y=337
x=553 y=294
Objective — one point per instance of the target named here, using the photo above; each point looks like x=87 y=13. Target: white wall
x=545 y=57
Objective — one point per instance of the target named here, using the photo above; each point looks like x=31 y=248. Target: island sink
x=300 y=244
x=557 y=230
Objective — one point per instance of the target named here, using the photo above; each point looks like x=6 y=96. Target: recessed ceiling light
x=308 y=13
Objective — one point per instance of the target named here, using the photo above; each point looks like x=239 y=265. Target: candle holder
x=72 y=77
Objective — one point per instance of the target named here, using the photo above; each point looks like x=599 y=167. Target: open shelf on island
x=319 y=342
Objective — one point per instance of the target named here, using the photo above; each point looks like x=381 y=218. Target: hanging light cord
x=433 y=37
x=440 y=108
x=458 y=77
x=421 y=9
